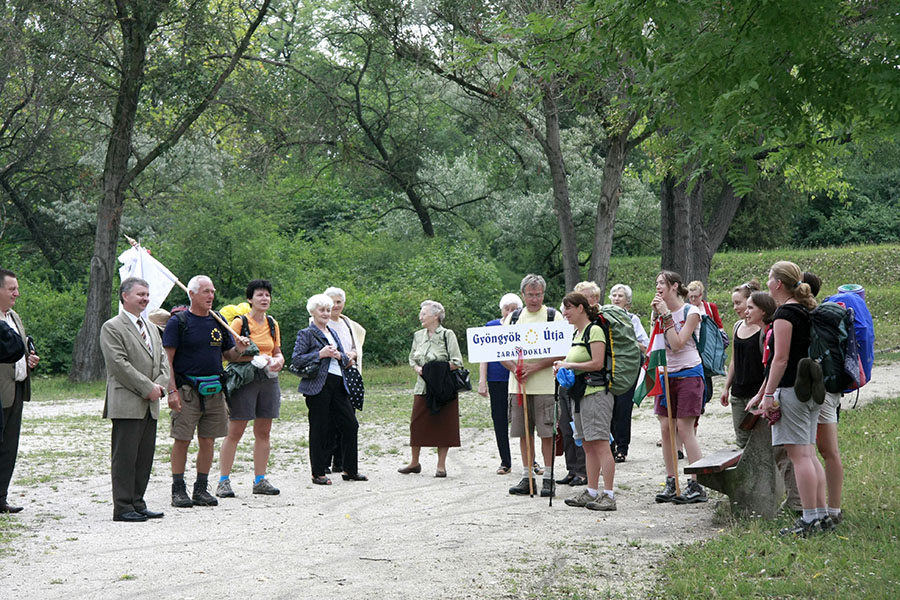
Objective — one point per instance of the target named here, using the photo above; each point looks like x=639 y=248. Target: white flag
x=137 y=262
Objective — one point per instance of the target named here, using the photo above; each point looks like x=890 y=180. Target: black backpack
x=245 y=326
x=551 y=315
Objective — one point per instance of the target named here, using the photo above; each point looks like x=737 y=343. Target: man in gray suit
x=136 y=374
x=15 y=388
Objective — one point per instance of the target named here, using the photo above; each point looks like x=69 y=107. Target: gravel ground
x=394 y=536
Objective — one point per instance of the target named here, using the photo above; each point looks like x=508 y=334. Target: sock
x=594 y=493
x=224 y=478
x=821 y=512
x=809 y=515
x=609 y=493
x=202 y=479
x=525 y=472
x=177 y=476
x=833 y=512
x=258 y=478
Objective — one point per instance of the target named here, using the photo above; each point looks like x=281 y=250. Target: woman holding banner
x=591 y=406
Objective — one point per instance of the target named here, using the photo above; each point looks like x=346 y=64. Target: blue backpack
x=710 y=345
x=864 y=330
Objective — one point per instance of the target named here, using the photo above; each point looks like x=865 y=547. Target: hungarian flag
x=648 y=380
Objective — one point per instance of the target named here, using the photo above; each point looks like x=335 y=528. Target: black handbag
x=461 y=379
x=355 y=384
x=308 y=372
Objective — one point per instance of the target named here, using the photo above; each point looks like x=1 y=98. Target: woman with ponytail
x=796 y=429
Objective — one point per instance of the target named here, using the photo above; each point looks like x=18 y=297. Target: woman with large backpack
x=591 y=406
x=686 y=383
x=796 y=427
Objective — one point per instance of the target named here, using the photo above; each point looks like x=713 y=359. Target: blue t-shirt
x=199 y=350
x=496 y=371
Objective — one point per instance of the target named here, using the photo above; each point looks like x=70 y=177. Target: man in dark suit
x=136 y=374
x=15 y=388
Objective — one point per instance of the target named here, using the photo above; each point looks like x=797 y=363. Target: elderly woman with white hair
x=432 y=425
x=621 y=296
x=493 y=379
x=327 y=396
x=352 y=336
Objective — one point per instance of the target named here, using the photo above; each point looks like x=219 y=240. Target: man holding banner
x=533 y=381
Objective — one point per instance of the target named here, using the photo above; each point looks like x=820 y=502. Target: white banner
x=137 y=262
x=537 y=340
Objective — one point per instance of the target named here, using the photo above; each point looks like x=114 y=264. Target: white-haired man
x=196 y=344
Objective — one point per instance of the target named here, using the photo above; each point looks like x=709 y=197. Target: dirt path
x=392 y=537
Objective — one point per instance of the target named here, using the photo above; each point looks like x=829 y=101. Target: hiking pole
x=671 y=428
x=523 y=398
x=553 y=445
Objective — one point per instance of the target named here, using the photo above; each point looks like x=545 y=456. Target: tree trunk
x=682 y=211
x=607 y=206
x=561 y=205
x=87 y=360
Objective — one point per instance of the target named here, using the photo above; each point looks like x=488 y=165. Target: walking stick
x=553 y=445
x=529 y=456
x=671 y=429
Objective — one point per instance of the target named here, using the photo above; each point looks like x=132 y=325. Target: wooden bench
x=748 y=477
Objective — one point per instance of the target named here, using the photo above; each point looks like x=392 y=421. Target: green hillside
x=876 y=268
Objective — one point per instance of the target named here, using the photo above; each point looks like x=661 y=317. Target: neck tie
x=140 y=324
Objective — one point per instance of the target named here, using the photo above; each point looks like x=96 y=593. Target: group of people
x=180 y=357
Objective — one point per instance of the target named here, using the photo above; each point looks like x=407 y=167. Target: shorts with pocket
x=209 y=423
x=540 y=415
x=798 y=422
x=686 y=395
x=260 y=399
x=829 y=412
x=592 y=422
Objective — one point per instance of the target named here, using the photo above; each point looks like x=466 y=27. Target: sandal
x=321 y=480
x=503 y=470
x=619 y=457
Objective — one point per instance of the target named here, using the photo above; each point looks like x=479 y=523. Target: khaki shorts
x=540 y=415
x=828 y=413
x=797 y=425
x=592 y=422
x=210 y=424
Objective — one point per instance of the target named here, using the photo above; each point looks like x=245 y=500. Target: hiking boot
x=817 y=383
x=223 y=490
x=521 y=488
x=202 y=497
x=580 y=500
x=836 y=519
x=826 y=524
x=180 y=499
x=803 y=382
x=693 y=494
x=548 y=489
x=601 y=502
x=668 y=494
x=265 y=488
x=538 y=469
x=801 y=528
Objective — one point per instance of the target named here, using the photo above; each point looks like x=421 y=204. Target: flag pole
x=177 y=282
x=671 y=428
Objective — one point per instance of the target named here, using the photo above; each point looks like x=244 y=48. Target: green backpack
x=623 y=354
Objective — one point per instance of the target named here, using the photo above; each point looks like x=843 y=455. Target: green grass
x=876 y=268
x=58 y=387
x=862 y=560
